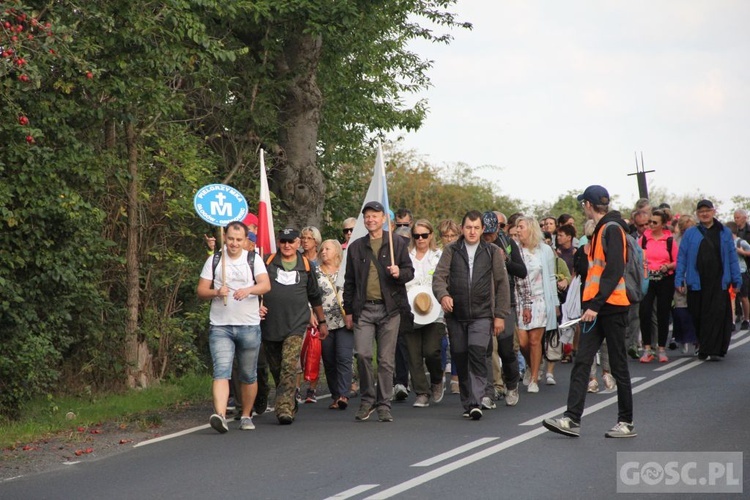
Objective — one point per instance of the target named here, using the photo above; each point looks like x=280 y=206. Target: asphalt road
x=686 y=405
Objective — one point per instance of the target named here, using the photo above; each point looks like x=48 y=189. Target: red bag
x=309 y=358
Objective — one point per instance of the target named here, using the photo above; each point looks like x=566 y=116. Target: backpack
x=670 y=241
x=636 y=274
x=217 y=258
x=304 y=259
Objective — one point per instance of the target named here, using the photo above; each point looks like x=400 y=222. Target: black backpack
x=217 y=258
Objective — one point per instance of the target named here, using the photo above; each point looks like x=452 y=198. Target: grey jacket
x=488 y=293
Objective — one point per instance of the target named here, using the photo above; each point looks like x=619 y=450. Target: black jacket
x=358 y=258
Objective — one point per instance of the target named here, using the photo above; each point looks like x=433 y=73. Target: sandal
x=334 y=406
x=342 y=403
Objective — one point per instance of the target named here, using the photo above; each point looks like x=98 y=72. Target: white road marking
x=445 y=469
x=353 y=491
x=672 y=364
x=455 y=451
x=170 y=436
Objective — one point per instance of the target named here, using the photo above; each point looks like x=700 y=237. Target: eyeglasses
x=347 y=230
x=403 y=224
x=642 y=225
x=421 y=236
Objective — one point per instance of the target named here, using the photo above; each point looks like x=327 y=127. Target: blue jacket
x=687 y=272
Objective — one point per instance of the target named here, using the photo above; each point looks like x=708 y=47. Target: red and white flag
x=266 y=238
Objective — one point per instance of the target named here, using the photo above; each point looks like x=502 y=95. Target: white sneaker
x=246 y=424
x=533 y=387
x=399 y=392
x=488 y=404
x=609 y=381
x=621 y=430
x=527 y=377
x=551 y=379
x=593 y=386
x=219 y=423
x=511 y=397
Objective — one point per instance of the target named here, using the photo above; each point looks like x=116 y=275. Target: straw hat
x=423 y=304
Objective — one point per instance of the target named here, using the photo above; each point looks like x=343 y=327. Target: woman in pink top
x=660 y=252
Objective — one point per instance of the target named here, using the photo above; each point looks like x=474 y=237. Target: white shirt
x=236 y=312
x=472 y=251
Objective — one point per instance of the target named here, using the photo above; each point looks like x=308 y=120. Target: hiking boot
x=399 y=392
x=511 y=397
x=438 y=390
x=384 y=414
x=246 y=424
x=488 y=404
x=364 y=412
x=285 y=419
x=423 y=401
x=621 y=430
x=564 y=426
x=218 y=423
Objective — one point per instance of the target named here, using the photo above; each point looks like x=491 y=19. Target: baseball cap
x=288 y=234
x=705 y=204
x=252 y=237
x=596 y=195
x=489 y=219
x=373 y=205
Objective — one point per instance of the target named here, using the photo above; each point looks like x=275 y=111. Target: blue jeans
x=337 y=353
x=223 y=340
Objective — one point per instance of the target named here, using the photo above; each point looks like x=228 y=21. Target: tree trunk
x=137 y=355
x=299 y=183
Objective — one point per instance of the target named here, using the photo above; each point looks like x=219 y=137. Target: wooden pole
x=223 y=262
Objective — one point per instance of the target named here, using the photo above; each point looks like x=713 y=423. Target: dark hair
x=732 y=226
x=514 y=217
x=567 y=229
x=237 y=225
x=563 y=219
x=472 y=215
x=546 y=235
x=403 y=212
x=663 y=215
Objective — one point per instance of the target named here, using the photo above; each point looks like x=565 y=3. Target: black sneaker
x=475 y=413
x=564 y=426
x=285 y=419
x=467 y=414
x=745 y=325
x=310 y=397
x=218 y=423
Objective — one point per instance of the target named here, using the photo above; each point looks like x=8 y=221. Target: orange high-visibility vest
x=597 y=262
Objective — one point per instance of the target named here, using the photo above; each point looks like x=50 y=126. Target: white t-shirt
x=472 y=251
x=236 y=312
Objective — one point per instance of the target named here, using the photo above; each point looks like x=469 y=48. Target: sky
x=560 y=94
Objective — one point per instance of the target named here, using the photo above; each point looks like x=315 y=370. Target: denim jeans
x=338 y=349
x=225 y=340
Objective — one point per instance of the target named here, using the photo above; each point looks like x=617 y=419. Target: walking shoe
x=384 y=414
x=467 y=414
x=488 y=404
x=621 y=430
x=551 y=379
x=285 y=419
x=564 y=426
x=663 y=357
x=511 y=397
x=593 y=386
x=219 y=423
x=454 y=387
x=231 y=405
x=399 y=392
x=423 y=401
x=647 y=357
x=438 y=390
x=310 y=397
x=745 y=325
x=343 y=402
x=533 y=387
x=672 y=345
x=633 y=352
x=527 y=377
x=297 y=395
x=475 y=413
x=246 y=424
x=609 y=381
x=364 y=412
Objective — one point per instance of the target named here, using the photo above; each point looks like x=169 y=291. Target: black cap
x=288 y=234
x=373 y=205
x=705 y=204
x=489 y=219
x=596 y=195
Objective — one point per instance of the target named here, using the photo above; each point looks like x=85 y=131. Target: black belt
x=374 y=301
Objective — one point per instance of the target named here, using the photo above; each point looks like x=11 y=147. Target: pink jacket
x=656 y=250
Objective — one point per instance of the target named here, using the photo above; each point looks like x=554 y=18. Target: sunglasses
x=421 y=236
x=654 y=222
x=502 y=225
x=402 y=224
x=286 y=242
x=347 y=230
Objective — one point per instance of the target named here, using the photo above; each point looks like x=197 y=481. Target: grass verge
x=50 y=415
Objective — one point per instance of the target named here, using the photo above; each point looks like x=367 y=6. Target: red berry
x=7 y=25
x=30 y=139
x=23 y=120
x=89 y=75
x=14 y=38
x=24 y=78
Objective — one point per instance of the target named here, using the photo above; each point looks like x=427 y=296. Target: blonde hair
x=314 y=231
x=535 y=232
x=426 y=224
x=338 y=252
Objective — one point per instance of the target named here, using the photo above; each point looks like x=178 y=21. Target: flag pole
x=387 y=207
x=223 y=261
